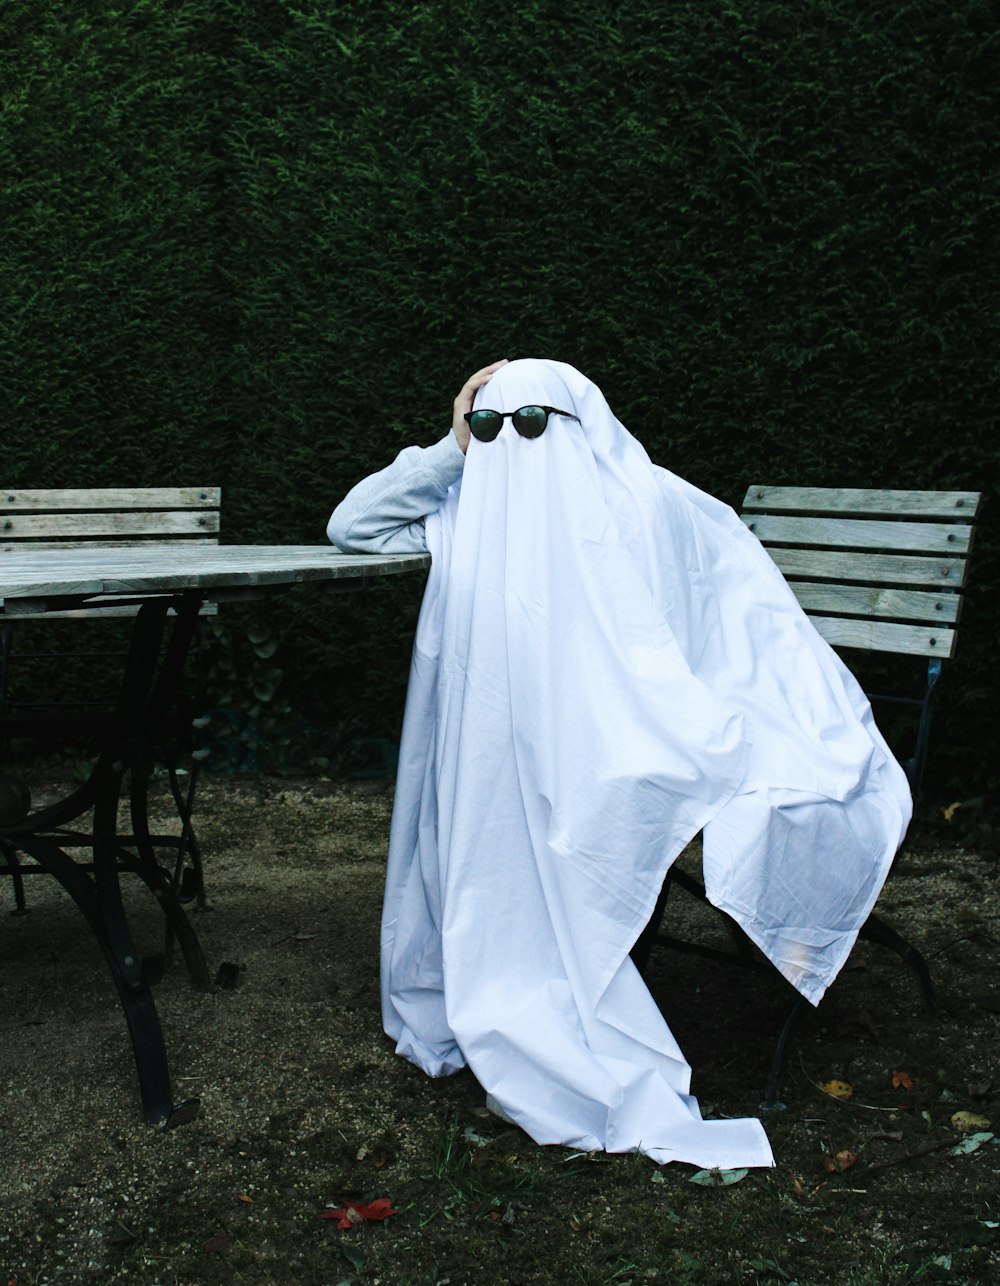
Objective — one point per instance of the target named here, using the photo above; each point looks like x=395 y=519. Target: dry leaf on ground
x=968 y=1122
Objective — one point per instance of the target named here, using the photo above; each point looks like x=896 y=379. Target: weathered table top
x=31 y=579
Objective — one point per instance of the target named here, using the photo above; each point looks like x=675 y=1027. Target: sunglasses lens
x=485 y=425
x=530 y=421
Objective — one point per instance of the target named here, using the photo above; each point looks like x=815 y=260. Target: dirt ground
x=305 y=1106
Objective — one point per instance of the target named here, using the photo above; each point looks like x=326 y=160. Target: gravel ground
x=302 y=1100
x=294 y=876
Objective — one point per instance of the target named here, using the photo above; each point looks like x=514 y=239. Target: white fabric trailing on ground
x=606 y=663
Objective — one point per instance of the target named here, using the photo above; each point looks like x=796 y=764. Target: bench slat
x=876 y=569
x=917 y=537
x=110 y=543
x=116 y=499
x=42 y=527
x=881 y=636
x=874 y=503
x=878 y=602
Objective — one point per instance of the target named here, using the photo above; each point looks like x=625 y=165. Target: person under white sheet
x=606 y=663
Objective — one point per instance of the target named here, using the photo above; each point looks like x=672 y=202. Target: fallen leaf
x=352 y=1254
x=902 y=1080
x=378 y=1158
x=837 y=1089
x=971 y=1143
x=244 y=1198
x=838 y=1164
x=718 y=1178
x=949 y=812
x=969 y=1122
x=797 y=1188
x=353 y=1213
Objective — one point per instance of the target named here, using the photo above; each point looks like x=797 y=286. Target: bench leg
x=876 y=930
x=14 y=871
x=779 y=1062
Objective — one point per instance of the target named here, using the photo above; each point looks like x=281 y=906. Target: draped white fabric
x=606 y=663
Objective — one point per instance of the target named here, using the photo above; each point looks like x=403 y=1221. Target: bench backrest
x=71 y=518
x=877 y=570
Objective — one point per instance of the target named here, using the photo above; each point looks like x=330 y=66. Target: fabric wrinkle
x=607 y=663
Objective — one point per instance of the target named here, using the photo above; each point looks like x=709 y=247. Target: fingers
x=463 y=402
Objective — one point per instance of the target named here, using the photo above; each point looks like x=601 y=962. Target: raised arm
x=385 y=512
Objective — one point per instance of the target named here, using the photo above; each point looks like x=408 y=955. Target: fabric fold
x=607 y=663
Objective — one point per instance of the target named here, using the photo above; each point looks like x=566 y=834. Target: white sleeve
x=384 y=513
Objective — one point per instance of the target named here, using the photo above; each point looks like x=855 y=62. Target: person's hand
x=464 y=401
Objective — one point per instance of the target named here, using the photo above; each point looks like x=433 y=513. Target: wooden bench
x=90 y=517
x=94 y=517
x=879 y=571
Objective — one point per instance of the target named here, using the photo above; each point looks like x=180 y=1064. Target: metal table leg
x=148 y=691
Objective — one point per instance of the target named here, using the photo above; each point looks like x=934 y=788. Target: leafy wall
x=260 y=243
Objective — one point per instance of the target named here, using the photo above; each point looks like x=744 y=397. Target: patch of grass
x=476 y=1171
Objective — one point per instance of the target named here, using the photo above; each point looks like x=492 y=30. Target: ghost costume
x=606 y=663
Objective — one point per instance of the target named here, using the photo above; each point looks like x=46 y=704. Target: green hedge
x=261 y=243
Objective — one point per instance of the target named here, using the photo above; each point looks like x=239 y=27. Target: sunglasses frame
x=504 y=415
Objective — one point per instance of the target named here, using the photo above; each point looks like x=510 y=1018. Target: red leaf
x=352 y=1213
x=379 y=1209
x=902 y=1079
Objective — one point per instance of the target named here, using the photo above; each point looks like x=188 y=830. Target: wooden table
x=46 y=579
x=167 y=587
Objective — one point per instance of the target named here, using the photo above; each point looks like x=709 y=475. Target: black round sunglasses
x=530 y=421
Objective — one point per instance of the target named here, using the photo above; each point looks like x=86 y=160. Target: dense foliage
x=260 y=243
